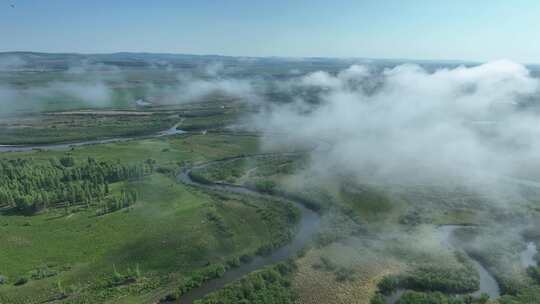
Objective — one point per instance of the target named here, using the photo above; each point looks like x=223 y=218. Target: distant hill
x=62 y=61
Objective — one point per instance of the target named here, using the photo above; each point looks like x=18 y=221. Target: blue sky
x=416 y=29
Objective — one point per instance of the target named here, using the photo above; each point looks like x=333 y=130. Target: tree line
x=30 y=185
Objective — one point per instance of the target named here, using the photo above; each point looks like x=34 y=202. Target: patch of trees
x=268 y=286
x=534 y=273
x=433 y=278
x=509 y=284
x=199 y=178
x=280 y=220
x=413 y=297
x=444 y=279
x=265 y=186
x=28 y=185
x=524 y=296
x=117 y=202
x=226 y=171
x=197 y=278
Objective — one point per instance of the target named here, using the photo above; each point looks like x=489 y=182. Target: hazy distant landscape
x=164 y=178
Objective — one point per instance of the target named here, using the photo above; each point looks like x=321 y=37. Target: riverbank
x=307 y=228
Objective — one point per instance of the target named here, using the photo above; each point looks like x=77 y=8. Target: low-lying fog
x=405 y=124
x=397 y=124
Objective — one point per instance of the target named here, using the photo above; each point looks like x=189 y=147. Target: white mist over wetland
x=411 y=171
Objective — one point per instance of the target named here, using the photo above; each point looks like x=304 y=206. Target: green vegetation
x=204 y=122
x=524 y=296
x=498 y=250
x=171 y=236
x=528 y=294
x=412 y=297
x=266 y=286
x=366 y=201
x=341 y=273
x=265 y=186
x=256 y=170
x=263 y=173
x=30 y=186
x=226 y=171
x=534 y=273
x=94 y=124
x=55 y=128
x=434 y=278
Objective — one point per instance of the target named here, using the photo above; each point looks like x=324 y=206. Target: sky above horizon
x=480 y=30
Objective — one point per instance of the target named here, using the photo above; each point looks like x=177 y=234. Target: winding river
x=488 y=284
x=307 y=228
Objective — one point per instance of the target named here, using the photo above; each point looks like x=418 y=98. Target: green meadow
x=170 y=232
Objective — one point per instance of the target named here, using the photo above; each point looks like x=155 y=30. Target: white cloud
x=452 y=123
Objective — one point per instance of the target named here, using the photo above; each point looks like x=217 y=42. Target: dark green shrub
x=265 y=286
x=246 y=258
x=20 y=281
x=389 y=284
x=377 y=299
x=67 y=161
x=443 y=279
x=265 y=186
x=234 y=262
x=534 y=272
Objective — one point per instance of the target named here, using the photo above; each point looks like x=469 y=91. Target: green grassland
x=46 y=129
x=165 y=150
x=171 y=231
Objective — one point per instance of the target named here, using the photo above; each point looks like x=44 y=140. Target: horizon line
x=253 y=57
x=399 y=59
